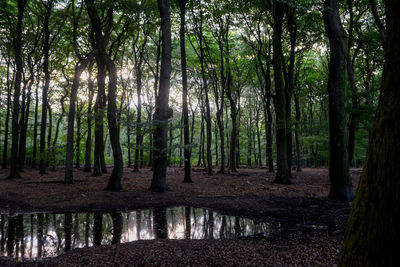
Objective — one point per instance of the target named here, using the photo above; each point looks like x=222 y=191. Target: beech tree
x=163 y=111
x=17 y=46
x=283 y=169
x=371 y=234
x=341 y=186
x=187 y=150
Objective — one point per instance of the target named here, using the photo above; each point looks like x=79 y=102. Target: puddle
x=40 y=235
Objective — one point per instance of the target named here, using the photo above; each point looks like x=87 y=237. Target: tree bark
x=187 y=149
x=17 y=42
x=103 y=60
x=283 y=170
x=341 y=187
x=88 y=145
x=45 y=89
x=139 y=135
x=371 y=235
x=207 y=101
x=5 y=147
x=162 y=111
x=35 y=127
x=297 y=130
x=99 y=162
x=24 y=125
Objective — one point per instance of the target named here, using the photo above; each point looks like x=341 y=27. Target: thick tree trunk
x=371 y=236
x=187 y=150
x=283 y=170
x=341 y=187
x=163 y=111
x=17 y=42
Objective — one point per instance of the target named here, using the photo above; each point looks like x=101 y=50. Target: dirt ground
x=248 y=193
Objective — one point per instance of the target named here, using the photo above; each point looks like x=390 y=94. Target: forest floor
x=248 y=193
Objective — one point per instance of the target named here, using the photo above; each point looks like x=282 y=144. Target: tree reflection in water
x=47 y=235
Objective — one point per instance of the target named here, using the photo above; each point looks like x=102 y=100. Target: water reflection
x=47 y=235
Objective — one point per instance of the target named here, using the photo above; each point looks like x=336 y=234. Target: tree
x=46 y=55
x=187 y=149
x=17 y=45
x=163 y=111
x=99 y=44
x=283 y=169
x=371 y=236
x=80 y=66
x=341 y=187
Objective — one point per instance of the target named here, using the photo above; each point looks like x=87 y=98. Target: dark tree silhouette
x=163 y=111
x=372 y=235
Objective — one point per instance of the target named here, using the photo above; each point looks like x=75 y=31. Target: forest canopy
x=254 y=92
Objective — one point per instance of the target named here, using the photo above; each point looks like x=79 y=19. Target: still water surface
x=38 y=235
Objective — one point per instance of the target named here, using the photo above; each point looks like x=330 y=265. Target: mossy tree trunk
x=372 y=234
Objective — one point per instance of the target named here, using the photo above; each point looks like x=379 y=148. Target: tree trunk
x=24 y=127
x=35 y=125
x=88 y=145
x=138 y=117
x=297 y=130
x=79 y=68
x=354 y=116
x=290 y=82
x=258 y=137
x=78 y=136
x=46 y=71
x=17 y=42
x=232 y=103
x=99 y=163
x=283 y=170
x=187 y=150
x=158 y=183
x=371 y=235
x=201 y=143
x=104 y=62
x=169 y=144
x=5 y=147
x=50 y=123
x=341 y=187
